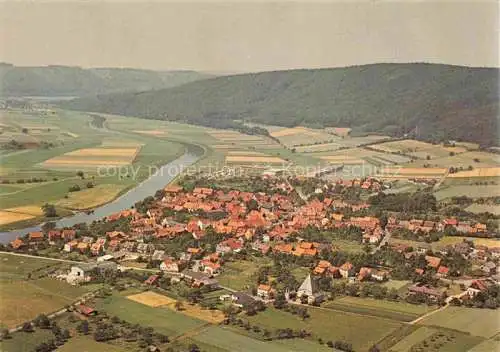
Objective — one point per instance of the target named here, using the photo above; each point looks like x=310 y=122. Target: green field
x=436 y=340
x=472 y=191
x=216 y=338
x=25 y=341
x=16 y=267
x=240 y=275
x=330 y=325
x=483 y=208
x=478 y=322
x=23 y=300
x=88 y=344
x=399 y=311
x=163 y=320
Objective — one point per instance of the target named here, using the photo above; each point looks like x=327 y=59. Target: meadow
x=25 y=293
x=477 y=322
x=436 y=340
x=330 y=325
x=163 y=320
x=399 y=311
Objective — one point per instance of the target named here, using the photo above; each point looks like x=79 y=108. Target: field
x=24 y=300
x=411 y=172
x=482 y=208
x=24 y=341
x=91 y=197
x=471 y=191
x=15 y=267
x=436 y=340
x=75 y=145
x=478 y=322
x=152 y=299
x=216 y=338
x=163 y=320
x=418 y=149
x=254 y=159
x=7 y=217
x=330 y=325
x=477 y=172
x=450 y=240
x=86 y=158
x=238 y=275
x=399 y=311
x=88 y=344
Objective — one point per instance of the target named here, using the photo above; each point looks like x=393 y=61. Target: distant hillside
x=444 y=102
x=76 y=81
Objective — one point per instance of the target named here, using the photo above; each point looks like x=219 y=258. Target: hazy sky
x=245 y=36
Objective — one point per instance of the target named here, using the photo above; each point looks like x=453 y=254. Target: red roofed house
x=228 y=246
x=433 y=262
x=346 y=270
x=86 y=310
x=265 y=291
x=35 y=236
x=442 y=271
x=152 y=280
x=17 y=243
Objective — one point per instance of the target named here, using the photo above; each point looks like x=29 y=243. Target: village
x=192 y=235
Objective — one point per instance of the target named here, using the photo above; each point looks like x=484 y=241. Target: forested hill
x=444 y=102
x=75 y=81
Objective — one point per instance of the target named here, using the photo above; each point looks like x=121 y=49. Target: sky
x=237 y=36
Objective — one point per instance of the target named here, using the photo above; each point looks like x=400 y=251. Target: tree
x=49 y=210
x=178 y=305
x=24 y=130
x=80 y=174
x=74 y=188
x=27 y=327
x=90 y=185
x=4 y=334
x=42 y=321
x=193 y=348
x=83 y=327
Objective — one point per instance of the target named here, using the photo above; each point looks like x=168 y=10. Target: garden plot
x=339 y=131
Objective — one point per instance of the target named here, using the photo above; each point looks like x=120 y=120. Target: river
x=162 y=177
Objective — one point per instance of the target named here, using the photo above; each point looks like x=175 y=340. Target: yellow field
x=342 y=159
x=90 y=197
x=7 y=217
x=130 y=152
x=244 y=152
x=35 y=210
x=83 y=162
x=294 y=130
x=478 y=172
x=414 y=171
x=195 y=311
x=152 y=299
x=253 y=159
x=150 y=132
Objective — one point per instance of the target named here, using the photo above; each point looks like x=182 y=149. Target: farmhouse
x=198 y=279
